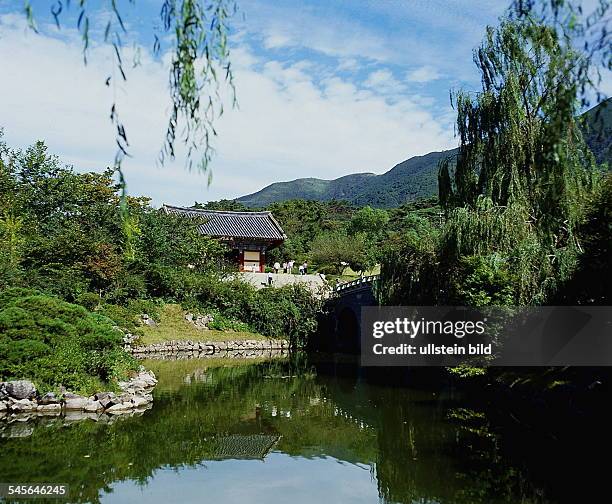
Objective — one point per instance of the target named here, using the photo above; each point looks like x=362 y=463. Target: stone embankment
x=21 y=396
x=241 y=349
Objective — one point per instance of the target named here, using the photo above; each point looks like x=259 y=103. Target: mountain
x=597 y=131
x=412 y=179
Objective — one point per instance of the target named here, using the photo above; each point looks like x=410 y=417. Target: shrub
x=54 y=343
x=89 y=300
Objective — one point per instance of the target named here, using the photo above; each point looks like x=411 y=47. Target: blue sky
x=325 y=88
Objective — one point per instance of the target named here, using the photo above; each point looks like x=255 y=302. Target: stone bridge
x=340 y=329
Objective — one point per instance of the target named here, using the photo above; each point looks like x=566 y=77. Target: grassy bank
x=173 y=326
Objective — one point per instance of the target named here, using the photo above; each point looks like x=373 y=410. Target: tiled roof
x=225 y=224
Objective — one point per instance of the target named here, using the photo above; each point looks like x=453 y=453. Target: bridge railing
x=354 y=284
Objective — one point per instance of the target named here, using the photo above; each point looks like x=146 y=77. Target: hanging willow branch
x=200 y=63
x=519 y=137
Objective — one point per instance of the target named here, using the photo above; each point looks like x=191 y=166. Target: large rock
x=20 y=389
x=49 y=408
x=75 y=402
x=120 y=407
x=139 y=400
x=49 y=398
x=93 y=406
x=19 y=405
x=106 y=399
x=199 y=321
x=146 y=320
x=3 y=405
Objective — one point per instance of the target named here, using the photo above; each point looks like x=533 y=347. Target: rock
x=48 y=398
x=199 y=321
x=120 y=407
x=146 y=320
x=129 y=338
x=106 y=399
x=19 y=405
x=139 y=384
x=49 y=408
x=139 y=401
x=75 y=403
x=4 y=405
x=93 y=406
x=3 y=393
x=20 y=389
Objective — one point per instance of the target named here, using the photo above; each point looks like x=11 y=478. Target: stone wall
x=241 y=349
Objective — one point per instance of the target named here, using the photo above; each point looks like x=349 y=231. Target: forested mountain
x=407 y=181
x=412 y=179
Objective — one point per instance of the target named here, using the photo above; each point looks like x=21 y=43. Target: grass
x=349 y=275
x=173 y=326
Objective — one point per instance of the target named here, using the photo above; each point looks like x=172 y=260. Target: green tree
x=368 y=220
x=335 y=251
x=523 y=172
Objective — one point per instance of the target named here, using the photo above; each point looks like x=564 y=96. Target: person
x=284 y=267
x=269 y=278
x=276 y=267
x=301 y=269
x=290 y=266
x=305 y=268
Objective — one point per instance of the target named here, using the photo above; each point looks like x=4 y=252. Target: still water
x=287 y=432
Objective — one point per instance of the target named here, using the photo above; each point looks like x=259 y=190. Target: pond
x=297 y=432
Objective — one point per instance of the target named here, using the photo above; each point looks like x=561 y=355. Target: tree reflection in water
x=419 y=448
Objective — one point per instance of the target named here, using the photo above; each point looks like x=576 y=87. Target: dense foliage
x=55 y=343
x=516 y=197
x=66 y=234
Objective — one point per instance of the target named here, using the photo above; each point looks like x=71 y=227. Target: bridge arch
x=343 y=324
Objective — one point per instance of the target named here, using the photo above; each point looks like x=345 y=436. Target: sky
x=324 y=88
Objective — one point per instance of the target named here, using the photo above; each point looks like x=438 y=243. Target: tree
x=337 y=250
x=523 y=172
x=368 y=220
x=519 y=139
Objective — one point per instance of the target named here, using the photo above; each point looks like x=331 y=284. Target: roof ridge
x=231 y=212
x=229 y=223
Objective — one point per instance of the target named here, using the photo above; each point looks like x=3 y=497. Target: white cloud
x=348 y=65
x=383 y=82
x=423 y=74
x=294 y=120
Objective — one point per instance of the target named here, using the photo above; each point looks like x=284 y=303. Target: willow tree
x=523 y=172
x=519 y=138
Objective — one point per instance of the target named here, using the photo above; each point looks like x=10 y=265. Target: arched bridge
x=341 y=328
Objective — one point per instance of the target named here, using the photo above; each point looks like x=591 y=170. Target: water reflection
x=277 y=432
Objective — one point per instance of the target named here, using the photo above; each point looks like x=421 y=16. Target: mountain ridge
x=412 y=179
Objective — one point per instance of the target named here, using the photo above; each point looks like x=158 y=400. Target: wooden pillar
x=240 y=260
x=262 y=261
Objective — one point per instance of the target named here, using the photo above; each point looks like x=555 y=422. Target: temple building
x=248 y=234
